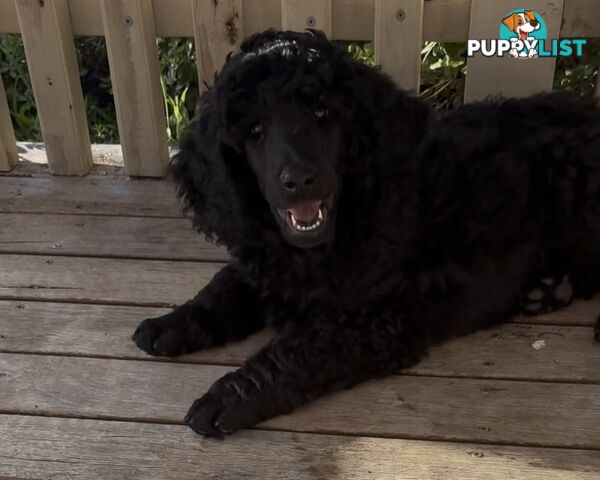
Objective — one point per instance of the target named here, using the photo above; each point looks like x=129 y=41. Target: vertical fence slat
x=507 y=76
x=135 y=74
x=301 y=14
x=8 y=146
x=218 y=30
x=398 y=40
x=52 y=61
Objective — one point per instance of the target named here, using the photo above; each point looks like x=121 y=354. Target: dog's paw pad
x=552 y=293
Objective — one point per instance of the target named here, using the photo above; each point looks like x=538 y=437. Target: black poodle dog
x=365 y=231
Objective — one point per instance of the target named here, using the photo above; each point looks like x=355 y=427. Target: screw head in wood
x=129 y=20
x=311 y=22
x=400 y=15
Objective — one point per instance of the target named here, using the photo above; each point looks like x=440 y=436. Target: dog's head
x=522 y=23
x=287 y=131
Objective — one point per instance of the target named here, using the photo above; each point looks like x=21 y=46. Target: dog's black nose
x=294 y=180
x=534 y=23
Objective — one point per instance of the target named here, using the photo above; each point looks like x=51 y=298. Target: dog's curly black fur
x=433 y=228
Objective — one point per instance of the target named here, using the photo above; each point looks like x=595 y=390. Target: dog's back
x=521 y=169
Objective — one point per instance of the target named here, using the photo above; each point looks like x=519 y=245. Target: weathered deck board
x=582 y=312
x=97 y=196
x=105 y=236
x=84 y=450
x=133 y=282
x=100 y=280
x=498 y=411
x=96 y=330
x=570 y=354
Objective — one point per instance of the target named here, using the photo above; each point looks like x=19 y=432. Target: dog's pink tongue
x=305 y=211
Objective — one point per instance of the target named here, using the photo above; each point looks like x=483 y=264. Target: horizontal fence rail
x=443 y=20
x=397 y=28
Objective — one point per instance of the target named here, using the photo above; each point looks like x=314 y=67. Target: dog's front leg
x=302 y=364
x=226 y=309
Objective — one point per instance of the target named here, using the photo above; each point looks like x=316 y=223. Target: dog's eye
x=321 y=113
x=257 y=129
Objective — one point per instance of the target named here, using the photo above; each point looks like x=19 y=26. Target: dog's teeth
x=306 y=228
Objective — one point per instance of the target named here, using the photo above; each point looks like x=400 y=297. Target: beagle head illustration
x=522 y=23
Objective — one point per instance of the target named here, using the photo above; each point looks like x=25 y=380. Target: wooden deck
x=82 y=261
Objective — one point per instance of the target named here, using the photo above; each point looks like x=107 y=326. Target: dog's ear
x=213 y=179
x=530 y=14
x=511 y=21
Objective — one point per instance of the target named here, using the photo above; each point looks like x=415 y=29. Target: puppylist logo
x=523 y=34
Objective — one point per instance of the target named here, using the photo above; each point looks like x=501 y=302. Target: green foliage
x=97 y=89
x=442 y=73
x=579 y=74
x=179 y=82
x=444 y=67
x=362 y=52
x=17 y=84
x=443 y=70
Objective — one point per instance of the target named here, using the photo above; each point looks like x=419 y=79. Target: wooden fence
x=397 y=28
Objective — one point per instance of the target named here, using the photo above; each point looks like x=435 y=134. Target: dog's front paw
x=172 y=334
x=229 y=405
x=513 y=53
x=533 y=53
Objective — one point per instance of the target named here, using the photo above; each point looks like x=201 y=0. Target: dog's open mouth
x=308 y=218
